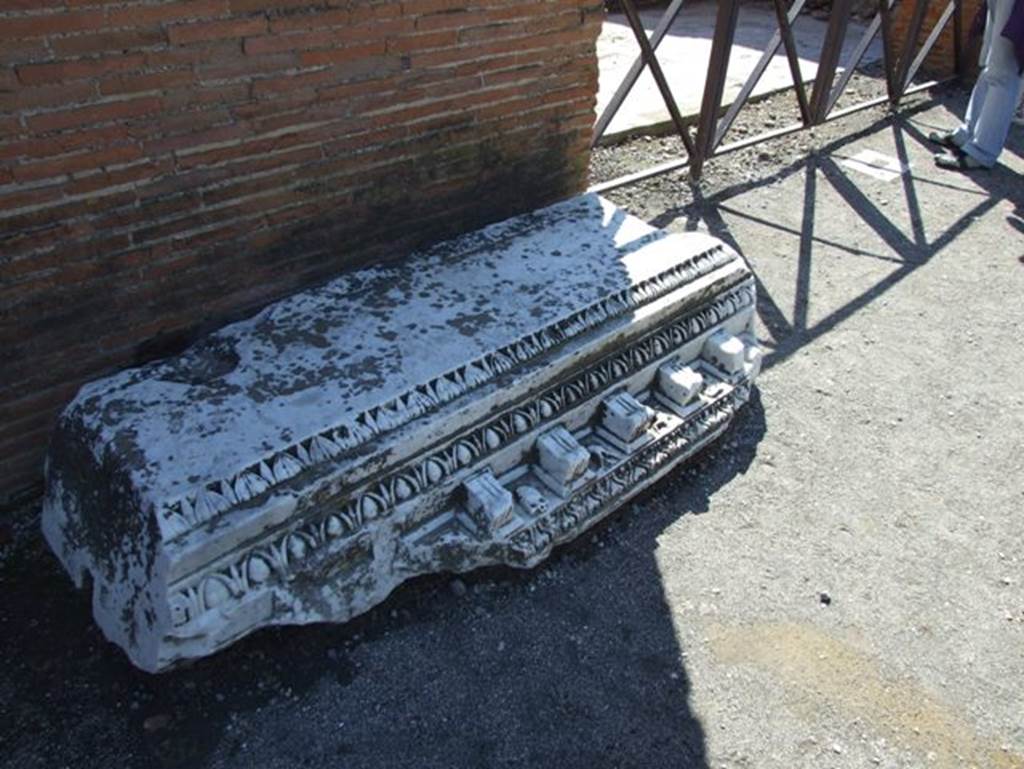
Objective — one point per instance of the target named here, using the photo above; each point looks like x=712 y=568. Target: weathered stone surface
x=478 y=404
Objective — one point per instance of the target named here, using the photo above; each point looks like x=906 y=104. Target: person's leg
x=963 y=133
x=989 y=123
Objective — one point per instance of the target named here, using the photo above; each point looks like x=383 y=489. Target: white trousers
x=995 y=96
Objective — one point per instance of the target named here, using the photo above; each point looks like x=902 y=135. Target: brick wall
x=170 y=165
x=940 y=61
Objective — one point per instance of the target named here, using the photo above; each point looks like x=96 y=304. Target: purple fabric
x=1014 y=30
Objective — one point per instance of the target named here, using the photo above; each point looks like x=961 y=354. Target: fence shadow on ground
x=908 y=251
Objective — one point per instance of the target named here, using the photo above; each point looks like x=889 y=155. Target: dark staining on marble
x=285 y=337
x=469 y=325
x=114 y=412
x=110 y=525
x=364 y=374
x=385 y=285
x=205 y=362
x=315 y=354
x=512 y=230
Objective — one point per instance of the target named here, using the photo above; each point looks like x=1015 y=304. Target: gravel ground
x=839 y=582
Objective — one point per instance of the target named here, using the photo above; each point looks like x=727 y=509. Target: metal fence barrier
x=815 y=108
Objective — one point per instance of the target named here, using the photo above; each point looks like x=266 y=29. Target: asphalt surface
x=839 y=582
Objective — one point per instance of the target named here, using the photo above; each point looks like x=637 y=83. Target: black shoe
x=943 y=139
x=958 y=160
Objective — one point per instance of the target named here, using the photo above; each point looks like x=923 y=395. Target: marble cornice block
x=477 y=404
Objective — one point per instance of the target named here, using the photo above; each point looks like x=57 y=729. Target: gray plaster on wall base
x=480 y=403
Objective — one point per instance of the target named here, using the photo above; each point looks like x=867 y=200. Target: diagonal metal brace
x=714 y=86
x=830 y=52
x=929 y=43
x=913 y=32
x=637 y=68
x=647 y=52
x=855 y=59
x=784 y=35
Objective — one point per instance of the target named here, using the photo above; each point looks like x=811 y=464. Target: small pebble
x=157 y=722
x=458 y=588
x=825 y=598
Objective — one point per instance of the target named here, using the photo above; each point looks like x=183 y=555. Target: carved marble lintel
x=561 y=457
x=679 y=382
x=753 y=356
x=296 y=467
x=738 y=355
x=726 y=351
x=488 y=502
x=626 y=419
x=531 y=500
x=603 y=456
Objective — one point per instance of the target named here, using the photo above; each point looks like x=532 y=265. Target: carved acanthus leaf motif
x=256 y=568
x=288 y=463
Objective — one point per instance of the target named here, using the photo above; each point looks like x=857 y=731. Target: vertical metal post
x=786 y=31
x=830 y=52
x=714 y=86
x=888 y=54
x=959 y=64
